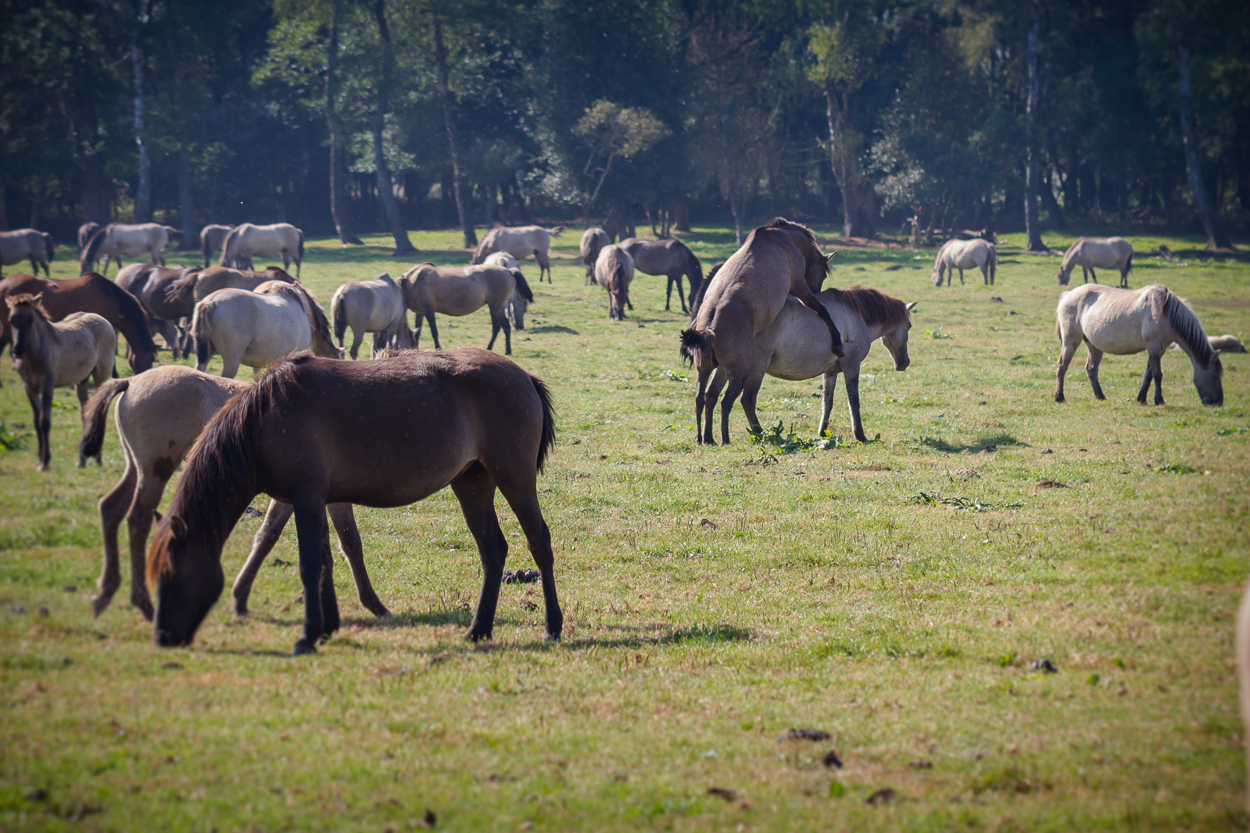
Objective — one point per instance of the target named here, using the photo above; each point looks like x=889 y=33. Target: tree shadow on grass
x=985 y=443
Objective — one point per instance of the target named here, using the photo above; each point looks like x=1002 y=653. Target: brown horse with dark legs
x=467 y=418
x=91 y=293
x=666 y=257
x=153 y=286
x=776 y=261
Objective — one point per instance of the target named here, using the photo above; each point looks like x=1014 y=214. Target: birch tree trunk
x=444 y=92
x=338 y=189
x=187 y=207
x=1216 y=236
x=143 y=192
x=1032 y=176
x=386 y=190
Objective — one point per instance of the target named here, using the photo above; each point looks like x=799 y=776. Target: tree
x=403 y=246
x=338 y=155
x=139 y=12
x=453 y=142
x=614 y=131
x=1031 y=177
x=1216 y=236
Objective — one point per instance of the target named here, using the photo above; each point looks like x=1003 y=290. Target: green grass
x=893 y=594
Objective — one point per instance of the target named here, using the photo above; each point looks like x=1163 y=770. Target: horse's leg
x=544 y=265
x=1093 y=274
x=229 y=366
x=433 y=331
x=522 y=497
x=81 y=388
x=495 y=327
x=1091 y=369
x=961 y=276
x=668 y=298
x=475 y=489
x=329 y=599
x=750 y=392
x=852 y=402
x=1067 y=351
x=1145 y=382
x=732 y=390
x=344 y=520
x=507 y=332
x=276 y=517
x=826 y=401
x=139 y=516
x=113 y=508
x=44 y=426
x=310 y=522
x=705 y=397
x=813 y=303
x=1156 y=364
x=681 y=293
x=357 y=337
x=1123 y=277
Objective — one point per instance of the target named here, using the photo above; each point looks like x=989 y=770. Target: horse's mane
x=231 y=239
x=522 y=286
x=790 y=225
x=92 y=252
x=140 y=337
x=316 y=316
x=182 y=285
x=34 y=303
x=1188 y=329
x=873 y=305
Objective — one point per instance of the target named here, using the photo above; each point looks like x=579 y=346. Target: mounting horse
x=593 y=239
x=794 y=347
x=51 y=355
x=667 y=257
x=373 y=306
x=158 y=418
x=91 y=293
x=518 y=303
x=211 y=240
x=248 y=241
x=965 y=254
x=614 y=270
x=520 y=242
x=16 y=246
x=1126 y=321
x=466 y=418
x=453 y=290
x=116 y=241
x=776 y=261
x=1103 y=252
x=259 y=328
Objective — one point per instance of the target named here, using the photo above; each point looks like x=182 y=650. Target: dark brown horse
x=154 y=287
x=465 y=418
x=91 y=293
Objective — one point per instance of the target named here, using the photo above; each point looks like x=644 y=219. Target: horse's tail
x=301 y=249
x=522 y=286
x=549 y=420
x=49 y=247
x=1128 y=267
x=202 y=332
x=228 y=245
x=696 y=345
x=993 y=262
x=92 y=253
x=694 y=272
x=338 y=311
x=95 y=414
x=206 y=246
x=557 y=231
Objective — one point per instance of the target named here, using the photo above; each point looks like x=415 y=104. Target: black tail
x=549 y=421
x=694 y=273
x=1128 y=268
x=47 y=244
x=206 y=246
x=521 y=285
x=340 y=318
x=92 y=253
x=693 y=343
x=95 y=414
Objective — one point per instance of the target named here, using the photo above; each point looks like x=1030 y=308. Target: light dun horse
x=429 y=289
x=26 y=243
x=796 y=347
x=1124 y=321
x=520 y=242
x=258 y=328
x=468 y=419
x=614 y=270
x=965 y=254
x=518 y=304
x=373 y=306
x=593 y=239
x=248 y=241
x=776 y=261
x=158 y=418
x=115 y=241
x=666 y=257
x=211 y=240
x=49 y=356
x=1104 y=253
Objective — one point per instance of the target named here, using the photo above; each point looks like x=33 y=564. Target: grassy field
x=893 y=594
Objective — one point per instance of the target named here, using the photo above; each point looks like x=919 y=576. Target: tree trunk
x=1216 y=237
x=1032 y=176
x=444 y=93
x=1052 y=206
x=681 y=214
x=386 y=189
x=838 y=161
x=187 y=208
x=143 y=192
x=338 y=189
x=738 y=206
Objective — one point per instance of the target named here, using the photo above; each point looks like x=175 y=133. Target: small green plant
x=773 y=441
x=937 y=333
x=962 y=503
x=676 y=377
x=1176 y=468
x=1224 y=432
x=11 y=440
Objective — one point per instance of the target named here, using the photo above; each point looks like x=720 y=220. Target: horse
x=158 y=418
x=776 y=261
x=593 y=239
x=466 y=418
x=116 y=241
x=793 y=347
x=1226 y=343
x=518 y=304
x=91 y=293
x=453 y=290
x=211 y=239
x=614 y=270
x=520 y=242
x=244 y=242
x=49 y=355
x=167 y=297
x=1103 y=252
x=85 y=233
x=258 y=328
x=667 y=257
x=207 y=281
x=1126 y=321
x=373 y=306
x=16 y=246
x=965 y=254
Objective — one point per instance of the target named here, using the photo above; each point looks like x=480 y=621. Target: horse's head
x=895 y=340
x=188 y=579
x=24 y=311
x=1210 y=381
x=1063 y=276
x=937 y=276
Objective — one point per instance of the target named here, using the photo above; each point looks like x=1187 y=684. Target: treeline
x=367 y=115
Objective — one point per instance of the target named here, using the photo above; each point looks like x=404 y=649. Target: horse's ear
x=177 y=528
x=912 y=306
x=829 y=258
x=386 y=275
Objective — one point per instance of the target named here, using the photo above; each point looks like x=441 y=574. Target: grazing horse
x=158 y=418
x=207 y=281
x=667 y=257
x=614 y=270
x=965 y=254
x=1126 y=321
x=453 y=290
x=465 y=418
x=518 y=304
x=167 y=297
x=247 y=241
x=776 y=261
x=211 y=240
x=520 y=242
x=593 y=239
x=794 y=347
x=91 y=293
x=85 y=232
x=1103 y=252
x=115 y=241
x=49 y=356
x=258 y=328
x=16 y=246
x=374 y=306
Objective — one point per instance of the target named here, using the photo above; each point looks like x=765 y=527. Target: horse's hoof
x=100 y=603
x=477 y=636
x=82 y=464
x=1059 y=398
x=303 y=648
x=552 y=636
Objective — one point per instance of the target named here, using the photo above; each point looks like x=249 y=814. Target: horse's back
x=164 y=409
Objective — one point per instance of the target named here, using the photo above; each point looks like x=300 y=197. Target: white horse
x=793 y=347
x=518 y=304
x=593 y=239
x=965 y=254
x=1103 y=252
x=116 y=241
x=248 y=241
x=1125 y=321
x=16 y=246
x=258 y=328
x=614 y=271
x=373 y=306
x=520 y=242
